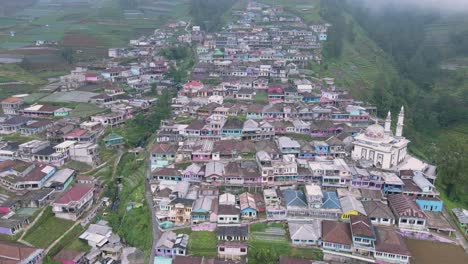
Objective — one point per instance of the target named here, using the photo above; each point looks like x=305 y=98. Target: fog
x=429 y=5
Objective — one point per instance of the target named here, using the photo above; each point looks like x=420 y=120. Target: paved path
x=149 y=198
x=458 y=235
x=31 y=225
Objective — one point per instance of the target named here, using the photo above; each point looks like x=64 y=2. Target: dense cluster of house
x=288 y=147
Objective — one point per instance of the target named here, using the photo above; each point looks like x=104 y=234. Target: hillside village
x=257 y=155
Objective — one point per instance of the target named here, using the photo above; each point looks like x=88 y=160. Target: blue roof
x=330 y=200
x=294 y=198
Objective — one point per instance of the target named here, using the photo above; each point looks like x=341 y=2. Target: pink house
x=192 y=87
x=202 y=149
x=275 y=89
x=91 y=77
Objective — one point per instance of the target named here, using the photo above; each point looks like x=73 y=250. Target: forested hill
x=413 y=57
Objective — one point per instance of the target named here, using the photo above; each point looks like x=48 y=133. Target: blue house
x=363 y=234
x=203 y=208
x=232 y=127
x=288 y=146
x=330 y=200
x=307 y=151
x=162 y=154
x=430 y=204
x=311 y=98
x=392 y=183
x=248 y=205
x=167 y=174
x=306 y=234
x=321 y=148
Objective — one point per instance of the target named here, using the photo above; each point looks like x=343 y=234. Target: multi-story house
x=390 y=247
x=361 y=178
x=12 y=105
x=407 y=212
x=162 y=154
x=334 y=173
x=74 y=202
x=180 y=210
x=314 y=196
x=336 y=236
x=363 y=234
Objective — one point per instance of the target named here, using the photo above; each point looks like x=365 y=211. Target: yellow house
x=351 y=206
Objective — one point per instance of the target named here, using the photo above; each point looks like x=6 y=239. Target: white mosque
x=379 y=146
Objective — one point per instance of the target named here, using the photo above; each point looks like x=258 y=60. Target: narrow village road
x=149 y=197
x=29 y=226
x=460 y=238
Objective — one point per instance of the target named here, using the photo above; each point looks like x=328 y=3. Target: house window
x=221 y=249
x=404 y=221
x=420 y=222
x=243 y=250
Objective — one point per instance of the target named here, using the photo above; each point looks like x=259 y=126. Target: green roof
x=112 y=136
x=218 y=52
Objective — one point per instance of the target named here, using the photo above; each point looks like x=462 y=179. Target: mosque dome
x=375 y=131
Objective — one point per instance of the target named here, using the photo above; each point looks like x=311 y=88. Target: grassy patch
x=85 y=110
x=18 y=138
x=203 y=243
x=134 y=226
x=78 y=166
x=47 y=229
x=261 y=97
x=261 y=227
x=13 y=72
x=71 y=241
x=34 y=97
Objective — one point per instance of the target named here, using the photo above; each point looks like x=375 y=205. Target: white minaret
x=388 y=123
x=401 y=117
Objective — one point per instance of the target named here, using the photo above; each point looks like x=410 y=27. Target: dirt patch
x=80 y=40
x=31 y=51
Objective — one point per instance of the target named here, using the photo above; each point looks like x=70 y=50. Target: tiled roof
x=389 y=241
x=404 y=206
x=336 y=232
x=10 y=100
x=163 y=148
x=377 y=210
x=14 y=253
x=228 y=209
x=361 y=226
x=75 y=194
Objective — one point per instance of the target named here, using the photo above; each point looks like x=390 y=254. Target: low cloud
x=433 y=5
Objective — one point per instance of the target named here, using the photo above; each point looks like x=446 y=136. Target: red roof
x=76 y=133
x=193 y=83
x=336 y=232
x=12 y=100
x=90 y=74
x=75 y=194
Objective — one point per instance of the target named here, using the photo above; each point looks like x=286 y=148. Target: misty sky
x=441 y=5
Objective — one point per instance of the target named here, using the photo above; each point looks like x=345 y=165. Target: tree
x=67 y=54
x=265 y=256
